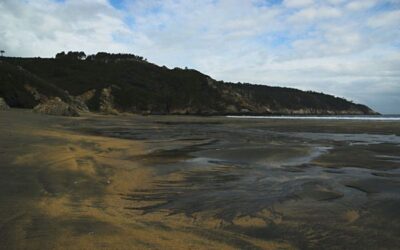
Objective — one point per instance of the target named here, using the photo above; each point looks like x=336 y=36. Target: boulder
x=3 y=104
x=55 y=106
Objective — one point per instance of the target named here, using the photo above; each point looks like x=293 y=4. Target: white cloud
x=358 y=5
x=348 y=48
x=312 y=13
x=336 y=2
x=390 y=18
x=297 y=3
x=45 y=27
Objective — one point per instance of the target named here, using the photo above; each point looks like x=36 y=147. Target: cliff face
x=3 y=104
x=121 y=83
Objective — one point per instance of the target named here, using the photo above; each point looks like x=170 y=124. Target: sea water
x=316 y=117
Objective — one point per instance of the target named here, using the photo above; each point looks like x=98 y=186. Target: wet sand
x=181 y=182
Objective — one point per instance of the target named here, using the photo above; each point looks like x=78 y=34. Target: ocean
x=317 y=117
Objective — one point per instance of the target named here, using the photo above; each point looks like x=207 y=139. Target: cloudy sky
x=348 y=48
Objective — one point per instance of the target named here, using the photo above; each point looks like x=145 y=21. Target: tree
x=71 y=55
x=81 y=55
x=60 y=55
x=2 y=52
x=75 y=55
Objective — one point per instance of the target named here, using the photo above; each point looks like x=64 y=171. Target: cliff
x=112 y=83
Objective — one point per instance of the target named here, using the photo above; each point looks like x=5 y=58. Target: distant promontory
x=113 y=83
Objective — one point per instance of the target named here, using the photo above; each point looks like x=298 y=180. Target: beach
x=191 y=182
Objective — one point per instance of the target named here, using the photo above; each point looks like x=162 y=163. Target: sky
x=348 y=48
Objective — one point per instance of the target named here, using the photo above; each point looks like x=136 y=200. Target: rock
x=231 y=109
x=78 y=103
x=55 y=106
x=87 y=96
x=35 y=93
x=3 y=104
x=107 y=102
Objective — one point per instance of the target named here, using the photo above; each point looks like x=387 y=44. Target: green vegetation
x=140 y=86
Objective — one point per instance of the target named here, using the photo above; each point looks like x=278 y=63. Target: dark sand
x=165 y=182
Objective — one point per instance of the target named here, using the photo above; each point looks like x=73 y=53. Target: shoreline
x=324 y=117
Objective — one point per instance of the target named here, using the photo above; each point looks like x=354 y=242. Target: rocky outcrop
x=35 y=93
x=78 y=104
x=106 y=105
x=55 y=106
x=87 y=96
x=3 y=104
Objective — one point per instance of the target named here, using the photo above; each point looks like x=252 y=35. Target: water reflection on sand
x=167 y=182
x=312 y=189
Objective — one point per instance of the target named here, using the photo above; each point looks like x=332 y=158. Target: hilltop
x=129 y=83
